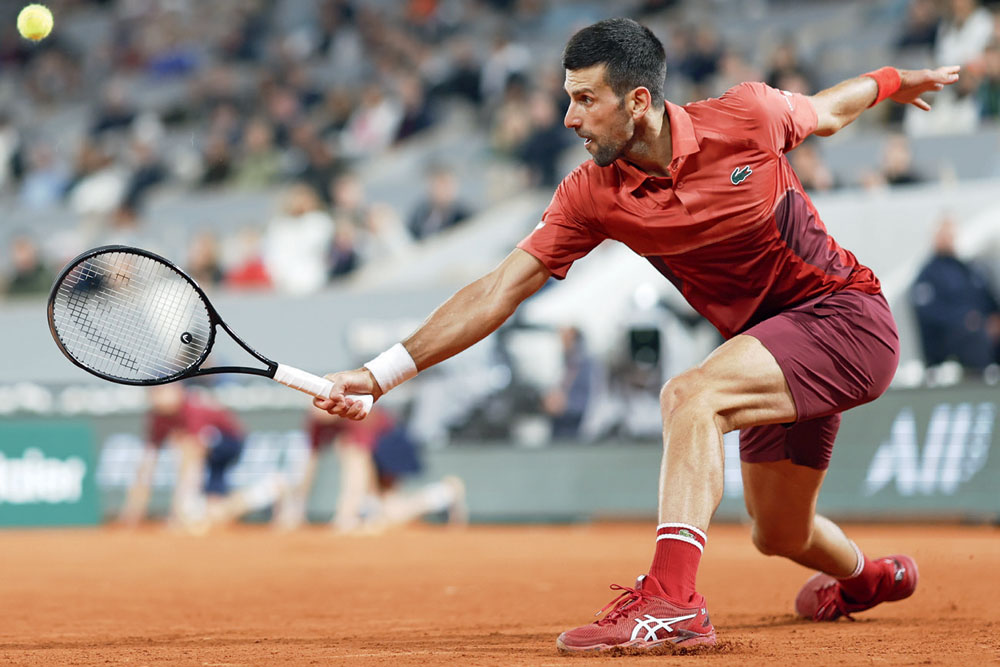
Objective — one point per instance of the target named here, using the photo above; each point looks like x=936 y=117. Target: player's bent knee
x=781 y=542
x=685 y=391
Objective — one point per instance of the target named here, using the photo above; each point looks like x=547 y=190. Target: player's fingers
x=339 y=388
x=347 y=383
x=355 y=411
x=335 y=404
x=920 y=104
x=338 y=383
x=322 y=403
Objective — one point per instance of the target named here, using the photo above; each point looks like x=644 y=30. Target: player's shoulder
x=744 y=111
x=577 y=185
x=586 y=171
x=741 y=96
x=586 y=191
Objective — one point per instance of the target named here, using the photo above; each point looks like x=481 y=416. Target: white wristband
x=392 y=367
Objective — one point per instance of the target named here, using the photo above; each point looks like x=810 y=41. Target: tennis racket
x=130 y=316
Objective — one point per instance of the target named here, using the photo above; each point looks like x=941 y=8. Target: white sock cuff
x=392 y=367
x=682 y=538
x=861 y=561
x=697 y=531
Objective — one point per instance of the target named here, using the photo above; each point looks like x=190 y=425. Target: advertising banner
x=923 y=453
x=47 y=474
x=918 y=452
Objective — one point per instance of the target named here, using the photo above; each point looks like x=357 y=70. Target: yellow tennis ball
x=34 y=22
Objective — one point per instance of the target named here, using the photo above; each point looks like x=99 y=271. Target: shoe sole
x=668 y=645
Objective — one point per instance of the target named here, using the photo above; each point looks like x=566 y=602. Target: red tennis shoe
x=642 y=619
x=822 y=599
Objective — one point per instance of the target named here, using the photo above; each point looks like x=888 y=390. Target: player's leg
x=740 y=383
x=836 y=352
x=818 y=358
x=783 y=469
x=781 y=500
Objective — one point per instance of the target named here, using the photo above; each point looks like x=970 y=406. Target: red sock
x=675 y=562
x=862 y=585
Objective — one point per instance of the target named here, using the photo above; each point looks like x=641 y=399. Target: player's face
x=598 y=115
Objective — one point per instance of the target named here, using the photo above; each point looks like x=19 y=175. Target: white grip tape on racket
x=315 y=385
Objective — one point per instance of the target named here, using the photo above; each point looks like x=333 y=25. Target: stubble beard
x=606 y=153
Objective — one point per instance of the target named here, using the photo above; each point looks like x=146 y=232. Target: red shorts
x=836 y=351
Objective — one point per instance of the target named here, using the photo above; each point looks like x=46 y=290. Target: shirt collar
x=683 y=142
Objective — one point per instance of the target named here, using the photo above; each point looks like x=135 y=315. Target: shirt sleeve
x=568 y=230
x=780 y=120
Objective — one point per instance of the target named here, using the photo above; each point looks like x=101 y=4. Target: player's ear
x=639 y=102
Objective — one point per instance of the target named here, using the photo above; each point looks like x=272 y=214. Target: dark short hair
x=633 y=55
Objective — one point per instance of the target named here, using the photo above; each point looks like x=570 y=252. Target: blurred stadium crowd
x=131 y=97
x=130 y=102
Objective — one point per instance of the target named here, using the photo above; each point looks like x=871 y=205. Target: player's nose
x=571 y=120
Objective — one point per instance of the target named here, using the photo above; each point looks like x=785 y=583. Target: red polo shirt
x=731 y=227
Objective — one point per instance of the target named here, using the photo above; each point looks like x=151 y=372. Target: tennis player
x=705 y=193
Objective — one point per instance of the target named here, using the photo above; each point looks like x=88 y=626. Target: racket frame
x=215 y=320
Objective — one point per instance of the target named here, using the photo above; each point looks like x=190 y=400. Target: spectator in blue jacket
x=566 y=404
x=958 y=315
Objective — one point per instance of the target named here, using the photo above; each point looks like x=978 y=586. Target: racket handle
x=315 y=385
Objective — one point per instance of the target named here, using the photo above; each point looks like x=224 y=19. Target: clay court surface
x=493 y=595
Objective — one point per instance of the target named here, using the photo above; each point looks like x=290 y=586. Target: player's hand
x=358 y=381
x=916 y=82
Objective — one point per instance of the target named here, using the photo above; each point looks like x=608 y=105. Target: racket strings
x=164 y=298
x=95 y=299
x=131 y=317
x=155 y=308
x=79 y=309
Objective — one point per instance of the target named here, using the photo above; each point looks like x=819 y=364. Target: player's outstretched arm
x=838 y=106
x=471 y=314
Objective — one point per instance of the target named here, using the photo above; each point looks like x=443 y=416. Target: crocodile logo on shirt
x=740 y=174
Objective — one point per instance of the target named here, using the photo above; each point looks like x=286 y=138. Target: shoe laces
x=831 y=603
x=625 y=599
